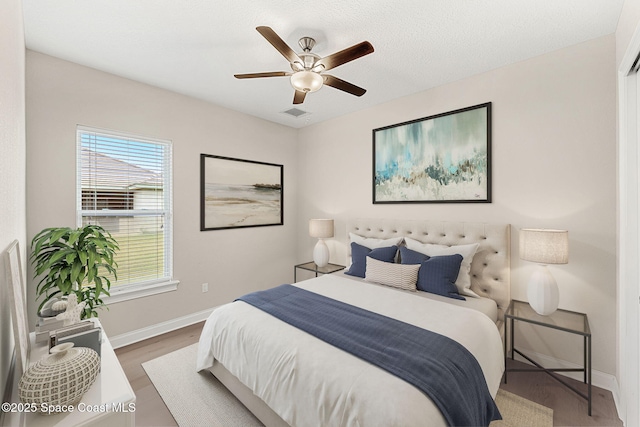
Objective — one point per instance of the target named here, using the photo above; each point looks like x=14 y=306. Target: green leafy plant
x=77 y=261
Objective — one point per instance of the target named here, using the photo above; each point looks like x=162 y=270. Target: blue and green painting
x=438 y=159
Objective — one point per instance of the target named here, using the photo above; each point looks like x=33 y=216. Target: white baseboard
x=598 y=378
x=159 y=328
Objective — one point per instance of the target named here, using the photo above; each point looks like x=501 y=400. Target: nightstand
x=109 y=402
x=564 y=320
x=311 y=266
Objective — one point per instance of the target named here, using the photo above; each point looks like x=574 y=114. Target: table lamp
x=544 y=247
x=322 y=229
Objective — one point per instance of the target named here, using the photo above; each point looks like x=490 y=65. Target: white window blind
x=124 y=185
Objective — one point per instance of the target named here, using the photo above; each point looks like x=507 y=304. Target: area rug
x=520 y=412
x=199 y=399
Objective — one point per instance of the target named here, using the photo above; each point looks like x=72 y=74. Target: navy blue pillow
x=437 y=274
x=359 y=256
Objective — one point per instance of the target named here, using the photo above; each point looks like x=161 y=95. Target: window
x=99 y=200
x=124 y=185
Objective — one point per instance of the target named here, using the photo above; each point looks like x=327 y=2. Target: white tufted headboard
x=490 y=268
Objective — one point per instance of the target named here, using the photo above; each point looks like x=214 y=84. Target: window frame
x=124 y=292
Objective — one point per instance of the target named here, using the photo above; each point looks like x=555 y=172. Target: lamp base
x=543 y=292
x=321 y=253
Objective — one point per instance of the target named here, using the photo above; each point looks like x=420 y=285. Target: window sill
x=140 y=292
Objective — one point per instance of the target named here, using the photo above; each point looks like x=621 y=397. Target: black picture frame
x=444 y=158
x=239 y=193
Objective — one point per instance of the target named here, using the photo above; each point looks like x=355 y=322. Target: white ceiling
x=195 y=46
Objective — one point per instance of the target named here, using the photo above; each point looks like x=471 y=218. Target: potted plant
x=77 y=261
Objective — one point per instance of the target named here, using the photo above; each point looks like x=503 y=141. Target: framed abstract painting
x=236 y=193
x=444 y=158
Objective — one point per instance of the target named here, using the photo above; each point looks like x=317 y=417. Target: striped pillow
x=403 y=276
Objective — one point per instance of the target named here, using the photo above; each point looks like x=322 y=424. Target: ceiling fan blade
x=298 y=97
x=280 y=45
x=257 y=75
x=349 y=54
x=343 y=85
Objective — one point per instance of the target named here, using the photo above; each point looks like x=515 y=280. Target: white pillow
x=463 y=282
x=403 y=276
x=371 y=243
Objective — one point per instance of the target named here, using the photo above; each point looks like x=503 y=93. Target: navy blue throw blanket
x=437 y=365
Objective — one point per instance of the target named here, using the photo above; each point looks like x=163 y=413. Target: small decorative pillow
x=463 y=282
x=437 y=274
x=403 y=276
x=359 y=254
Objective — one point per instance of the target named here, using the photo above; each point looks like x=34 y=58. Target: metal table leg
x=505 y=350
x=589 y=373
x=513 y=343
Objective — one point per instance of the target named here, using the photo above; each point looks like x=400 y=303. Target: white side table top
x=110 y=394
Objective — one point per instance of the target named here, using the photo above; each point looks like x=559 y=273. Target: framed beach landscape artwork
x=238 y=193
x=444 y=158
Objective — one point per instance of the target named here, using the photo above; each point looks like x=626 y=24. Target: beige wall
x=12 y=158
x=61 y=95
x=554 y=166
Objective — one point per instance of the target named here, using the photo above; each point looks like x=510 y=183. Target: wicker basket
x=60 y=378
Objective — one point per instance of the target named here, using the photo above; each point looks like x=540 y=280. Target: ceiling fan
x=308 y=69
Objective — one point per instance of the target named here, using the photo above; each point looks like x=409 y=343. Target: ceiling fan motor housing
x=308 y=58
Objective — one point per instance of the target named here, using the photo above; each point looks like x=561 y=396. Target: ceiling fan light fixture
x=306 y=81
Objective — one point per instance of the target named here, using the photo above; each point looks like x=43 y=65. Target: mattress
x=308 y=382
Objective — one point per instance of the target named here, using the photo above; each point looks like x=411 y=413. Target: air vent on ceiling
x=295 y=112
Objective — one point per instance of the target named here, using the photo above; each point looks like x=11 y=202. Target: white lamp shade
x=544 y=246
x=321 y=228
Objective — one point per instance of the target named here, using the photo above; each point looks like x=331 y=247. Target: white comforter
x=310 y=383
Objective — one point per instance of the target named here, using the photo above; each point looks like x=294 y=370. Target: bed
x=287 y=377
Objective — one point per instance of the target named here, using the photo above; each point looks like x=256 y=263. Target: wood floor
x=150 y=409
x=568 y=408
